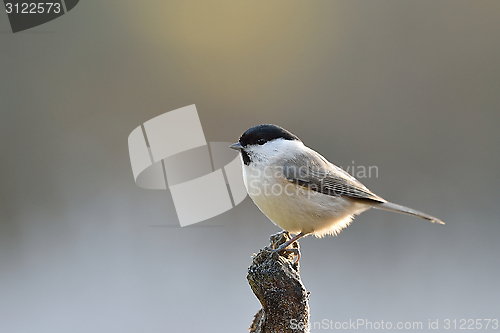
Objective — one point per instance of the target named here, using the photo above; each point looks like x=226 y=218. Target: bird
x=300 y=190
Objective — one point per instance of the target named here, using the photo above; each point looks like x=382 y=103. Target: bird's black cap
x=260 y=134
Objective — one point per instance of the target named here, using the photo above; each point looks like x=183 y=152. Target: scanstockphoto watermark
x=358 y=324
x=26 y=14
x=361 y=171
x=430 y=324
x=278 y=180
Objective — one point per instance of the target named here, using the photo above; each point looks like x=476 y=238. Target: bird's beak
x=236 y=146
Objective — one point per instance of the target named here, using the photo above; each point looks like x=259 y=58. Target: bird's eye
x=261 y=141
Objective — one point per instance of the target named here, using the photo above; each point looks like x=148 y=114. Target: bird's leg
x=283 y=247
x=289 y=242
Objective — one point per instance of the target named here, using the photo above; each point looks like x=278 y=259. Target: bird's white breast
x=292 y=207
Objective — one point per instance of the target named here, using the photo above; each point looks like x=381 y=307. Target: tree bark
x=275 y=280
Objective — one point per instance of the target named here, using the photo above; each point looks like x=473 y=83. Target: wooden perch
x=275 y=280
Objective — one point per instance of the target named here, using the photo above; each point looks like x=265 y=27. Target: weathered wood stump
x=275 y=280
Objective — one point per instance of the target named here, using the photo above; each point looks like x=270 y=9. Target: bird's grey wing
x=311 y=170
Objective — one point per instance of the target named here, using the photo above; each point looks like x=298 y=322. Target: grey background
x=412 y=87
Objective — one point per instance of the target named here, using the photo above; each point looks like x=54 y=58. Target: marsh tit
x=299 y=190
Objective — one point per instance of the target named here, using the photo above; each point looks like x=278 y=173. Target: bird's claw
x=295 y=251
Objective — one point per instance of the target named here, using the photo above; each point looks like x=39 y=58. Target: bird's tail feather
x=405 y=210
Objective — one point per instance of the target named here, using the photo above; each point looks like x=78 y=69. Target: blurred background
x=412 y=87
